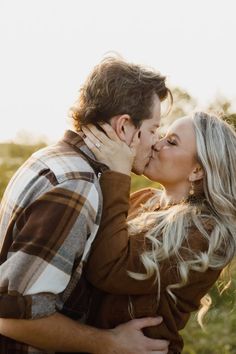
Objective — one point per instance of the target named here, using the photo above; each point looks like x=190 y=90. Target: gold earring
x=191 y=191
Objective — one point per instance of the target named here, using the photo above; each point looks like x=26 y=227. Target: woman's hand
x=109 y=149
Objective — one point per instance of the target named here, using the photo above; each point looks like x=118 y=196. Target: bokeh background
x=48 y=47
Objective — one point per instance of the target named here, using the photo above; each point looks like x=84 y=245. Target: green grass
x=218 y=336
x=11 y=158
x=138 y=182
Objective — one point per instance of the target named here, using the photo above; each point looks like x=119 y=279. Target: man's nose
x=155 y=139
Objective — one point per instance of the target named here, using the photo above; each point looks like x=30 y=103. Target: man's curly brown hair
x=116 y=87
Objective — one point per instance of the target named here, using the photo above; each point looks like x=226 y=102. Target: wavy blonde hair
x=216 y=152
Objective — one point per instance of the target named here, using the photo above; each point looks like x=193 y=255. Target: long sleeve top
x=116 y=296
x=49 y=217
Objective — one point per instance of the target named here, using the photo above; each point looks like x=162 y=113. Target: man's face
x=148 y=138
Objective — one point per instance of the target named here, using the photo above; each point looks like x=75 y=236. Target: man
x=50 y=214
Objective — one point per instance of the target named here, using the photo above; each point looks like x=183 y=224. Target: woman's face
x=174 y=156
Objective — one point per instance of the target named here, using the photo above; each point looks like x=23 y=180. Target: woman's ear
x=197 y=173
x=123 y=127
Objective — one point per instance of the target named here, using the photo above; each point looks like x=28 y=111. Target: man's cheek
x=144 y=138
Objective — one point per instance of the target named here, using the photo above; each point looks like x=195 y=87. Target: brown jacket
x=116 y=296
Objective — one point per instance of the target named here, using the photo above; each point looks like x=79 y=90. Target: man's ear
x=123 y=127
x=197 y=173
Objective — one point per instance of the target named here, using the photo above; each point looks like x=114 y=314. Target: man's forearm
x=55 y=333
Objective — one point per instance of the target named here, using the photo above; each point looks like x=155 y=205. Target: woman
x=172 y=248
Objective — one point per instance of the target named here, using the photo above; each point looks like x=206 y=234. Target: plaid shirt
x=49 y=216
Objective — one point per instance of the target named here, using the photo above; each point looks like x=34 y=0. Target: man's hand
x=128 y=338
x=61 y=334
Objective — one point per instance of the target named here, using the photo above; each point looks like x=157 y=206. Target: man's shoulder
x=52 y=167
x=63 y=161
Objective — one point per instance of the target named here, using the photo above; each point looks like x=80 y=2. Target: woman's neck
x=174 y=195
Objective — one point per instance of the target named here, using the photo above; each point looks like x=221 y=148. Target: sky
x=48 y=47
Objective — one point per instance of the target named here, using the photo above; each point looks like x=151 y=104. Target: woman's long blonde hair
x=169 y=230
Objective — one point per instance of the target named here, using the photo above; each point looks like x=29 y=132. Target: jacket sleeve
x=49 y=237
x=113 y=252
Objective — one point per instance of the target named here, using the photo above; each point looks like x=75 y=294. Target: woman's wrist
x=115 y=185
x=123 y=170
x=115 y=176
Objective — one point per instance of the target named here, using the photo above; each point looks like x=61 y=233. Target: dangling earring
x=195 y=195
x=191 y=191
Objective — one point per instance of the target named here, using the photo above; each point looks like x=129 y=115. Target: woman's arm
x=114 y=252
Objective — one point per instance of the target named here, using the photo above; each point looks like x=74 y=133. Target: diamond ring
x=98 y=145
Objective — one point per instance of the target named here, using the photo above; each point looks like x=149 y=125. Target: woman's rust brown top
x=116 y=297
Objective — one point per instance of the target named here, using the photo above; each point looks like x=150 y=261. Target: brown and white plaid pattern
x=49 y=216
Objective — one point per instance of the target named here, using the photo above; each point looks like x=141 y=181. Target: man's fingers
x=159 y=344
x=147 y=322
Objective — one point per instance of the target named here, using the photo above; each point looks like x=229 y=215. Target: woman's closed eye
x=171 y=142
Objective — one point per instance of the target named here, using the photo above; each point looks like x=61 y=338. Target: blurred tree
x=23 y=151
x=183 y=104
x=12 y=156
x=222 y=106
x=231 y=118
x=25 y=137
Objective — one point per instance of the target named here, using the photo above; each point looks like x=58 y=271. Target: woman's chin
x=150 y=175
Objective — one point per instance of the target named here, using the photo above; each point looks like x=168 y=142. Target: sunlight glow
x=49 y=47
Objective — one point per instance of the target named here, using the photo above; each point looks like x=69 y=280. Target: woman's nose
x=157 y=145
